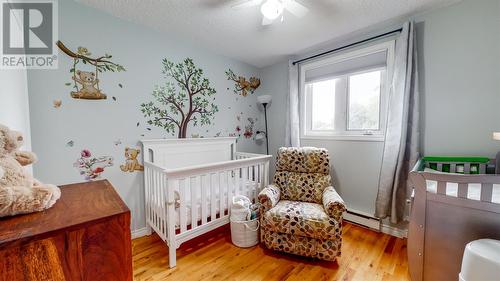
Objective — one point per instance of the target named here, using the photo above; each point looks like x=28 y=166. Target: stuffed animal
x=131 y=163
x=20 y=193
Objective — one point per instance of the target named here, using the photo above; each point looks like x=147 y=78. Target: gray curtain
x=401 y=149
x=292 y=130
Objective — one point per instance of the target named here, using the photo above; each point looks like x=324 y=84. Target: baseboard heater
x=362 y=219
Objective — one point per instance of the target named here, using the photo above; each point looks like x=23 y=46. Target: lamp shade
x=260 y=135
x=496 y=135
x=264 y=99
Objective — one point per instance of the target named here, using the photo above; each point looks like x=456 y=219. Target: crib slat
x=266 y=174
x=453 y=168
x=146 y=192
x=221 y=193
x=482 y=168
x=462 y=190
x=161 y=187
x=237 y=188
x=151 y=196
x=261 y=178
x=182 y=208
x=194 y=199
x=156 y=206
x=148 y=195
x=486 y=192
x=441 y=187
x=440 y=167
x=466 y=168
x=203 y=201
x=244 y=182
x=213 y=197
x=164 y=189
x=229 y=189
x=173 y=184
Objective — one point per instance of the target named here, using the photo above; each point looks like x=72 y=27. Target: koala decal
x=88 y=82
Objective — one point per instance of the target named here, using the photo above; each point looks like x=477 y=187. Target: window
x=345 y=96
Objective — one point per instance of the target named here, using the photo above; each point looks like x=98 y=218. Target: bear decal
x=88 y=90
x=131 y=162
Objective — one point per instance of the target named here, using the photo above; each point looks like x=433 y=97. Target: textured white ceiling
x=237 y=33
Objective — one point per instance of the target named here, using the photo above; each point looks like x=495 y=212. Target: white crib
x=190 y=183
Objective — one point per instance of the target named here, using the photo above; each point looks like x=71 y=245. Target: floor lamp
x=264 y=100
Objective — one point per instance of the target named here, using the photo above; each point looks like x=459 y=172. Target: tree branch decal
x=185 y=97
x=241 y=85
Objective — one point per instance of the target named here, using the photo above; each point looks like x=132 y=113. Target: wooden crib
x=448 y=211
x=190 y=183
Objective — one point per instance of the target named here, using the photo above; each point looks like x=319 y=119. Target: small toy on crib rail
x=20 y=193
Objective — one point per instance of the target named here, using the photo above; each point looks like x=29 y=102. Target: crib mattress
x=473 y=190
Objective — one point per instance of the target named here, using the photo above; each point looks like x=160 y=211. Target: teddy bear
x=131 y=162
x=88 y=90
x=20 y=193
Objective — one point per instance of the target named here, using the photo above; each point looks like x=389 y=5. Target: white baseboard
x=366 y=220
x=362 y=219
x=140 y=232
x=394 y=231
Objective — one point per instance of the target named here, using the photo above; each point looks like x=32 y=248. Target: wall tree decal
x=186 y=96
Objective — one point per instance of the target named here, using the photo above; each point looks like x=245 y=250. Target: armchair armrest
x=333 y=203
x=269 y=197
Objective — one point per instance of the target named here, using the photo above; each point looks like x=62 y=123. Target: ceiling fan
x=273 y=9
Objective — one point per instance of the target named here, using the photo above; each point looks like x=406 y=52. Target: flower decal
x=90 y=167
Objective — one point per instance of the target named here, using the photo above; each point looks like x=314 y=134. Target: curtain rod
x=347 y=46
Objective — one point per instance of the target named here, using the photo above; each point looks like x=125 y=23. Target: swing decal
x=86 y=83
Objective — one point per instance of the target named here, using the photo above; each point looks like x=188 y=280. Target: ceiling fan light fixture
x=272 y=9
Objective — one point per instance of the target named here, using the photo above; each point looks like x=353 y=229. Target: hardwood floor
x=366 y=255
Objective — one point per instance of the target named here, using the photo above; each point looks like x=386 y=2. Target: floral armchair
x=301 y=212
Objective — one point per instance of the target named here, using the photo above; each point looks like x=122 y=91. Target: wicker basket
x=245 y=234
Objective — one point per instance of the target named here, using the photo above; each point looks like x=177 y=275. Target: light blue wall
x=460 y=78
x=460 y=86
x=96 y=125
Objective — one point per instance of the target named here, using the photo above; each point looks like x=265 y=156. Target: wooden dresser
x=84 y=236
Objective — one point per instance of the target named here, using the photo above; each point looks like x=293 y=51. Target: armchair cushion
x=301 y=218
x=307 y=187
x=303 y=160
x=269 y=197
x=333 y=203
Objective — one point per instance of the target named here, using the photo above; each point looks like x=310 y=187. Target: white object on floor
x=245 y=234
x=481 y=261
x=190 y=183
x=240 y=209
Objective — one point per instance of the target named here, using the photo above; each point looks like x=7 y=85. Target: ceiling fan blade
x=296 y=8
x=245 y=4
x=266 y=21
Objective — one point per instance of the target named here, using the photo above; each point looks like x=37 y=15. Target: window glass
x=364 y=101
x=323 y=104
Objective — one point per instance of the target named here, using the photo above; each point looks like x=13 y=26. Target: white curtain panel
x=292 y=130
x=401 y=149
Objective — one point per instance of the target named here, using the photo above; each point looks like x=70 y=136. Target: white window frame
x=355 y=135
